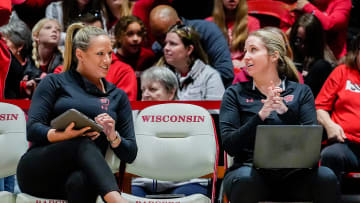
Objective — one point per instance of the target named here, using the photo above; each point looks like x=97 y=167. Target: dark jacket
x=239 y=115
x=33 y=72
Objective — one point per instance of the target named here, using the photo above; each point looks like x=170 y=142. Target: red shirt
x=253 y=24
x=334 y=18
x=141 y=61
x=123 y=76
x=340 y=94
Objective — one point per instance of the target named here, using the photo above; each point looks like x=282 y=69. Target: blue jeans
x=187 y=189
x=7 y=184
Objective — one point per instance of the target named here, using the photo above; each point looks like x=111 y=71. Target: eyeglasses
x=178 y=26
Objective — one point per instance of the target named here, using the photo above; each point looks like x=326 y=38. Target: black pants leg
x=245 y=185
x=248 y=185
x=52 y=171
x=318 y=185
x=341 y=157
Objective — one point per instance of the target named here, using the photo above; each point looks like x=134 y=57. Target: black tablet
x=73 y=115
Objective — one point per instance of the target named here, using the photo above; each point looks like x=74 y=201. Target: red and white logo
x=104 y=103
x=288 y=98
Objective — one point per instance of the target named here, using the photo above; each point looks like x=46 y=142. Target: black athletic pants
x=249 y=185
x=74 y=170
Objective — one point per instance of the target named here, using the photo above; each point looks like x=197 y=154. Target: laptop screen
x=287 y=146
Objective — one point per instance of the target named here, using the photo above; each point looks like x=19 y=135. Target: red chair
x=277 y=9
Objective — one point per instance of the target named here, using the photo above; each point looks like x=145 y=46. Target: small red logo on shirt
x=104 y=103
x=288 y=98
x=249 y=100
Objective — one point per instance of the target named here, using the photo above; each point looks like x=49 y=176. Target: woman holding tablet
x=70 y=164
x=273 y=96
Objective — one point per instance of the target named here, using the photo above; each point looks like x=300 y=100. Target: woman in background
x=18 y=39
x=307 y=39
x=232 y=18
x=67 y=12
x=184 y=54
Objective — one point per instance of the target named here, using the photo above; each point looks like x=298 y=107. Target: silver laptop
x=287 y=146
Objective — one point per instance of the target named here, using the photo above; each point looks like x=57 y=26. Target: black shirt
x=239 y=115
x=57 y=93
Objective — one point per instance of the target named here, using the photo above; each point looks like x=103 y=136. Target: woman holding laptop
x=272 y=97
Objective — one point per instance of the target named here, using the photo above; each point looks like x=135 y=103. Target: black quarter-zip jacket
x=239 y=115
x=57 y=93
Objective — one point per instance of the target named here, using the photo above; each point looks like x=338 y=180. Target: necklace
x=102 y=86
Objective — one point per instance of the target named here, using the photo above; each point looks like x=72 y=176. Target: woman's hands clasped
x=273 y=102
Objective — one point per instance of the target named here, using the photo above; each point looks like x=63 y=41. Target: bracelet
x=114 y=140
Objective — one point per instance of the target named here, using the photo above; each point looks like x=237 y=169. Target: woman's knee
x=326 y=177
x=242 y=179
x=333 y=153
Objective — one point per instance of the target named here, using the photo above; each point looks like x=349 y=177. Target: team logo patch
x=289 y=98
x=104 y=103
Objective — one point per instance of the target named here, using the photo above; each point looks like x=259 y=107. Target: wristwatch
x=114 y=140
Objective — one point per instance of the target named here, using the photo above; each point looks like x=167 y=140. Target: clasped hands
x=273 y=102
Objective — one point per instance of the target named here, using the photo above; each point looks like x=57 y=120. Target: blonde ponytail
x=68 y=56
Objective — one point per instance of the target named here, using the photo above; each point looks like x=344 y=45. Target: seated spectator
x=334 y=16
x=46 y=55
x=113 y=11
x=158 y=84
x=129 y=34
x=233 y=20
x=215 y=46
x=308 y=43
x=184 y=54
x=161 y=84
x=18 y=40
x=7 y=183
x=5 y=11
x=142 y=9
x=67 y=12
x=273 y=78
x=70 y=164
x=337 y=105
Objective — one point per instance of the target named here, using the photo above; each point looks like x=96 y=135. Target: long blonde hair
x=240 y=28
x=125 y=9
x=274 y=42
x=35 y=32
x=78 y=36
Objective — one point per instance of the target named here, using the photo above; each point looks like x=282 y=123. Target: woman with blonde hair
x=70 y=164
x=46 y=55
x=273 y=96
x=114 y=10
x=233 y=20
